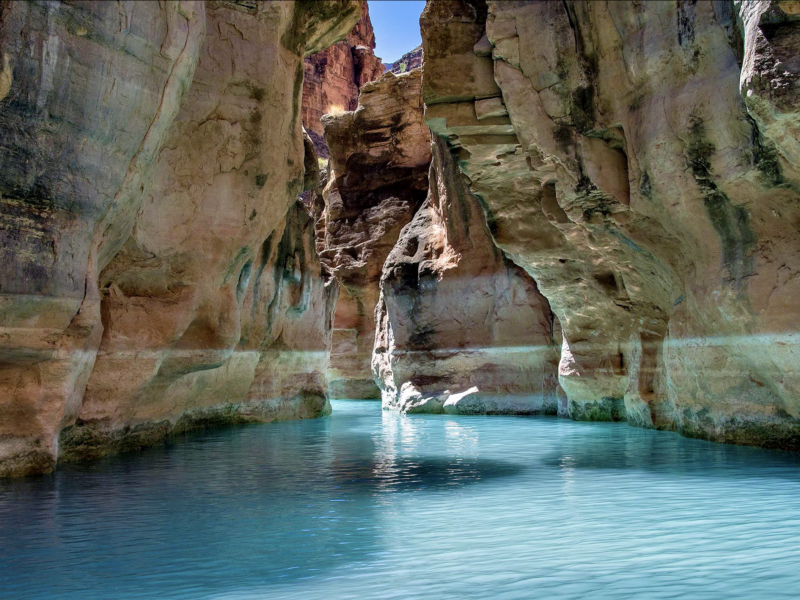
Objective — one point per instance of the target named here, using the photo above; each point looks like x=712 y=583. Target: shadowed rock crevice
x=461 y=329
x=379 y=178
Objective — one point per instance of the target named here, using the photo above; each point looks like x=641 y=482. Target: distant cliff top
x=333 y=77
x=409 y=60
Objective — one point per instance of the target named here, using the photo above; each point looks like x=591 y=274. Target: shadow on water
x=219 y=510
x=417 y=474
x=621 y=447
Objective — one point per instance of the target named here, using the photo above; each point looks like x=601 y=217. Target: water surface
x=367 y=504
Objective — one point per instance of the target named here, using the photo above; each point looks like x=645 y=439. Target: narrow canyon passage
x=281 y=319
x=576 y=208
x=373 y=504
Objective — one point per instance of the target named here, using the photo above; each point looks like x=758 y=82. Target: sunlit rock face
x=379 y=159
x=409 y=61
x=334 y=76
x=640 y=161
x=151 y=154
x=461 y=329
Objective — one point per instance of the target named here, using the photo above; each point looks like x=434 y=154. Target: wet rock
x=149 y=151
x=89 y=94
x=274 y=367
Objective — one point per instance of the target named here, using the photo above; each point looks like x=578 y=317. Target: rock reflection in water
x=371 y=504
x=215 y=510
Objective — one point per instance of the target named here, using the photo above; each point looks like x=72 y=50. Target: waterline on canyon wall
x=372 y=504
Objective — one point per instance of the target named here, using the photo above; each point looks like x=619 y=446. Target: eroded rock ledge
x=461 y=329
x=640 y=161
x=334 y=76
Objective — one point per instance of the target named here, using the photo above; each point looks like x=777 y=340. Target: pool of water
x=369 y=504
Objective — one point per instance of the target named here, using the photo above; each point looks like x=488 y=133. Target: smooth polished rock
x=150 y=151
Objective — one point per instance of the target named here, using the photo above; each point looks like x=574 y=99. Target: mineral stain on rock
x=126 y=197
x=732 y=223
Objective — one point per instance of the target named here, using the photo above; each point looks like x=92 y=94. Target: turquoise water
x=367 y=504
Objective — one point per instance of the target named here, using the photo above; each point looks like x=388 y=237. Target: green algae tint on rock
x=643 y=167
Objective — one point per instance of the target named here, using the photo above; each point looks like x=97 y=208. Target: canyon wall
x=156 y=273
x=461 y=329
x=637 y=163
x=334 y=76
x=379 y=158
x=640 y=161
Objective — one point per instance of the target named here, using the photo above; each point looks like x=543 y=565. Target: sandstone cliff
x=334 y=76
x=461 y=329
x=379 y=177
x=151 y=153
x=640 y=161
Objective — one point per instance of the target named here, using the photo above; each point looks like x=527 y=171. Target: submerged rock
x=461 y=329
x=151 y=152
x=379 y=178
x=640 y=161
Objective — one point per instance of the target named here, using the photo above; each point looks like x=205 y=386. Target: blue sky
x=396 y=26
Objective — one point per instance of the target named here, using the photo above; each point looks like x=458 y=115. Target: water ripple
x=368 y=504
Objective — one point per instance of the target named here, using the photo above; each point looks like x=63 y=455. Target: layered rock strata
x=461 y=329
x=640 y=161
x=151 y=153
x=408 y=62
x=379 y=158
x=334 y=76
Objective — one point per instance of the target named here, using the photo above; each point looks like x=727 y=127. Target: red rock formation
x=334 y=76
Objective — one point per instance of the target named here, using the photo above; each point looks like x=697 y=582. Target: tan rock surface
x=461 y=329
x=92 y=89
x=269 y=365
x=654 y=204
x=379 y=177
x=153 y=161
